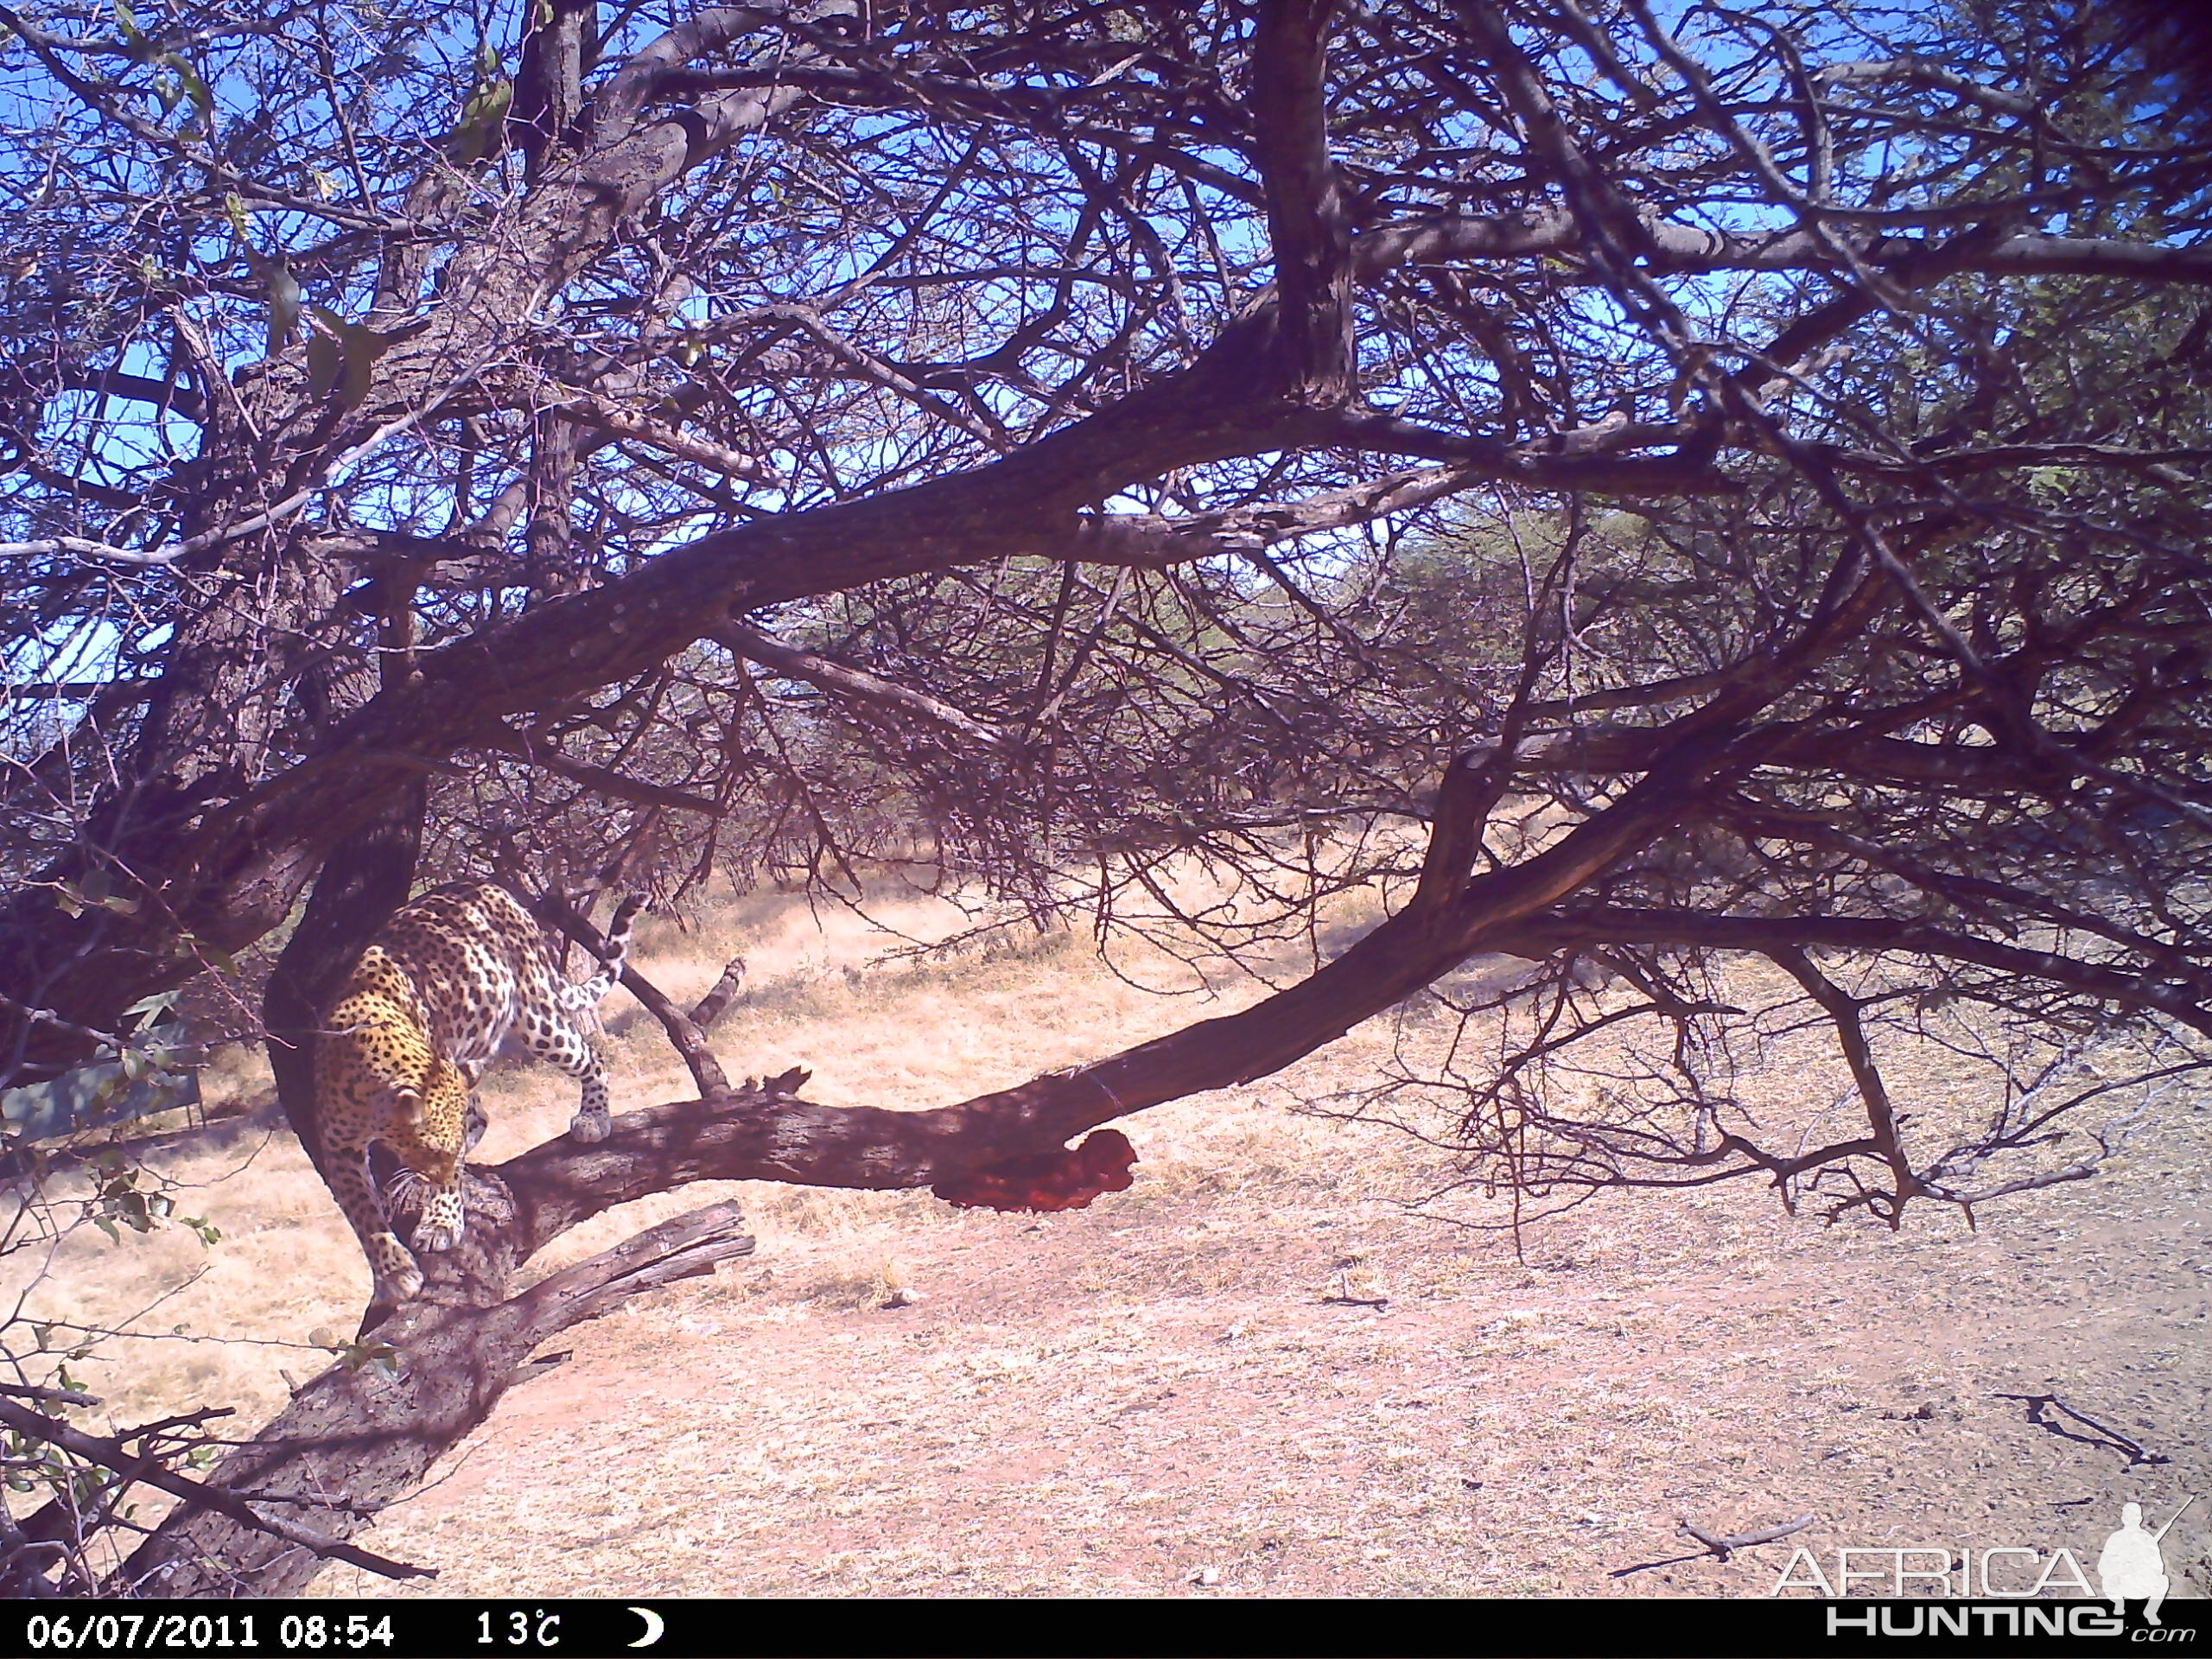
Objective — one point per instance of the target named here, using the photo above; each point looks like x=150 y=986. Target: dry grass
x=1151 y=1396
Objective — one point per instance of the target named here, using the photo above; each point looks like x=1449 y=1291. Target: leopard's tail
x=617 y=952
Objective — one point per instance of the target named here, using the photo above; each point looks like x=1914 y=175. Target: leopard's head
x=429 y=1119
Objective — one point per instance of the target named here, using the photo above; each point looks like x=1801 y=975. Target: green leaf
x=284 y=298
x=483 y=122
x=326 y=360
x=134 y=38
x=154 y=1004
x=194 y=88
x=355 y=1355
x=343 y=355
x=363 y=347
x=236 y=209
x=213 y=956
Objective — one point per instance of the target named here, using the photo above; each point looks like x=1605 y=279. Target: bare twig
x=49 y=1397
x=1724 y=1547
x=2137 y=1451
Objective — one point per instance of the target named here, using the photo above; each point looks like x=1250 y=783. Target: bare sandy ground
x=1151 y=1398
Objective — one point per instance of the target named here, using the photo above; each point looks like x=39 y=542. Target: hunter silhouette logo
x=2132 y=1565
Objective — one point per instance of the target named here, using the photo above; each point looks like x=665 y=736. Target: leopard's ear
x=409 y=1102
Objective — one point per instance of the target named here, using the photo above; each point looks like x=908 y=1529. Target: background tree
x=1733 y=481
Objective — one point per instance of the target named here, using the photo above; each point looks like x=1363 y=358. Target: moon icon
x=656 y=1626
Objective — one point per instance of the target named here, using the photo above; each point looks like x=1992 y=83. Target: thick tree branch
x=1306 y=219
x=558 y=1185
x=614 y=112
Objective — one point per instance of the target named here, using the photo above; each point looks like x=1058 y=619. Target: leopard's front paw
x=588 y=1126
x=397 y=1278
x=436 y=1237
x=439 y=1230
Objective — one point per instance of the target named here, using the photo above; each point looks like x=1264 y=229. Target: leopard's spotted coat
x=423 y=1011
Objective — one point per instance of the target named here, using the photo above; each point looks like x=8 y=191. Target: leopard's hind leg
x=558 y=1041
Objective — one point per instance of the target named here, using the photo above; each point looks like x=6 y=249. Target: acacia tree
x=1731 y=479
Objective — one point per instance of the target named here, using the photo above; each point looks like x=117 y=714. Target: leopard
x=439 y=988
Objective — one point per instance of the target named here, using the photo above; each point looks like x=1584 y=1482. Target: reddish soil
x=1151 y=1398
